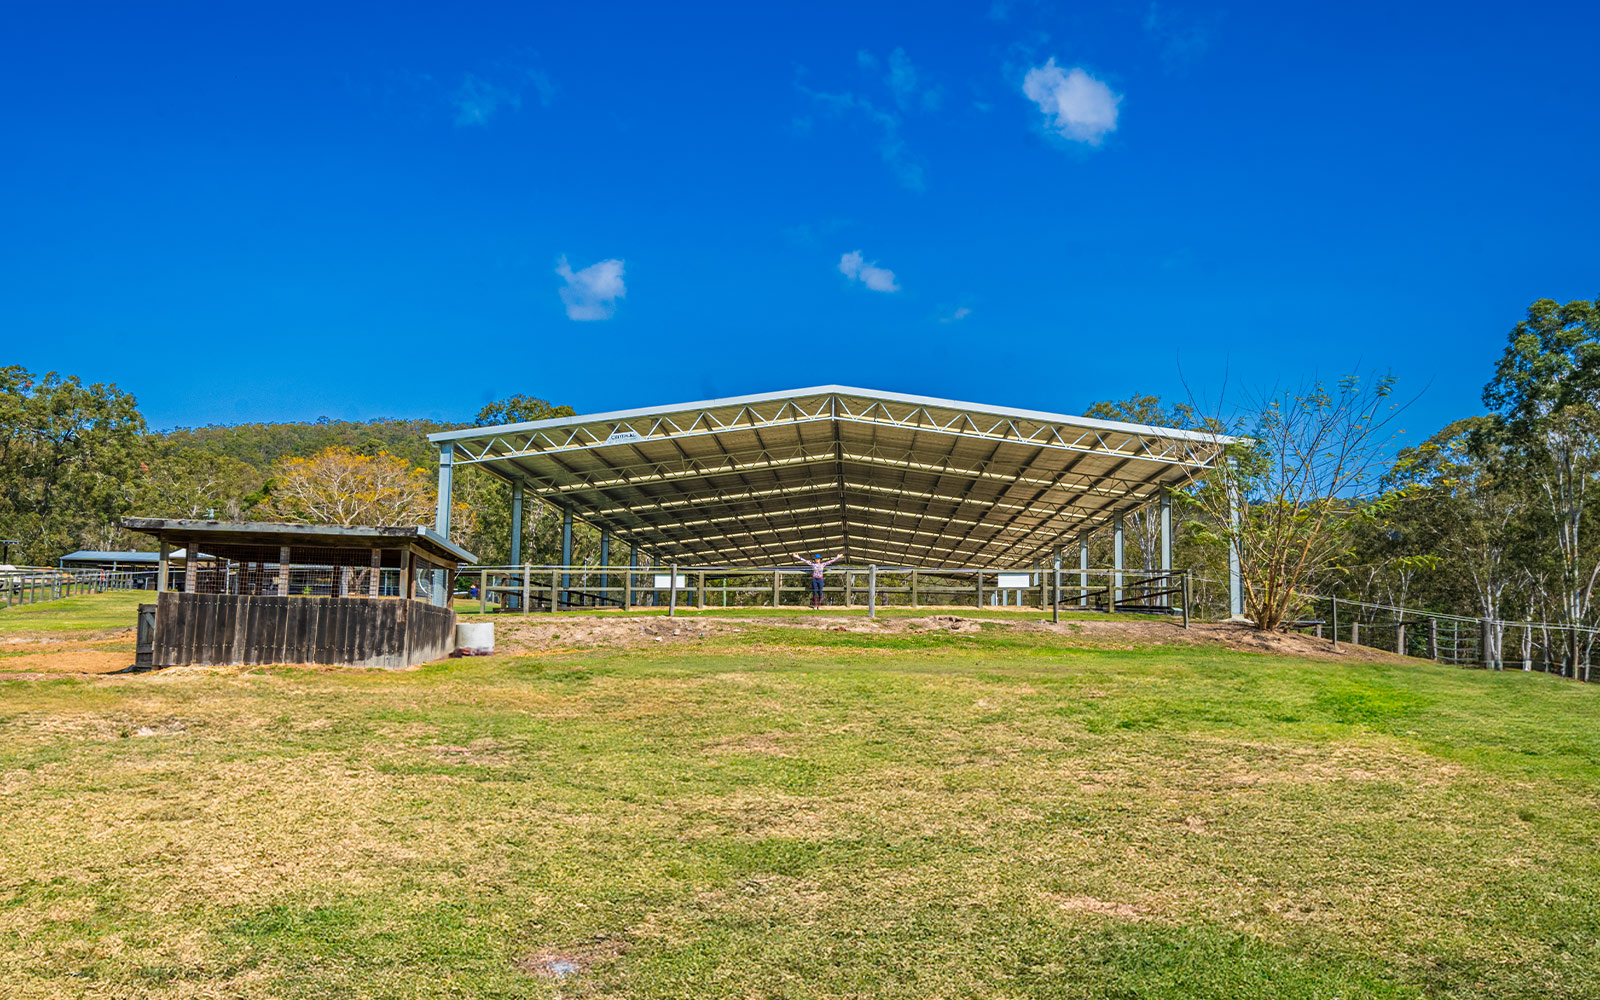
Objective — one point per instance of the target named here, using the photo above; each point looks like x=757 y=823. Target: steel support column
x=441 y=518
x=1055 y=590
x=516 y=523
x=1166 y=545
x=1235 y=571
x=566 y=554
x=1116 y=560
x=1083 y=570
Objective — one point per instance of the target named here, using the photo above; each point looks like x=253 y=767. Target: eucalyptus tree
x=1466 y=512
x=68 y=455
x=1546 y=390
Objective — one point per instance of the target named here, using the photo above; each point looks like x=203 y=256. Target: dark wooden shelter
x=268 y=592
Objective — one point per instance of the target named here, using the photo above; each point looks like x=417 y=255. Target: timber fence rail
x=542 y=588
x=37 y=584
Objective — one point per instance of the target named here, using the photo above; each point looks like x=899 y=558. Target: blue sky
x=272 y=212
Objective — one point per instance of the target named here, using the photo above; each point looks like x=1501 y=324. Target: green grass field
x=801 y=813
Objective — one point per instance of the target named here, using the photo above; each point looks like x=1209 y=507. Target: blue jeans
x=816 y=586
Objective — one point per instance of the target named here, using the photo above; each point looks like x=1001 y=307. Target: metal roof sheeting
x=884 y=477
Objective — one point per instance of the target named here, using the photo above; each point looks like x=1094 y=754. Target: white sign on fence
x=1015 y=581
x=664 y=581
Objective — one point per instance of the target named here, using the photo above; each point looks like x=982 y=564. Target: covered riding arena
x=931 y=501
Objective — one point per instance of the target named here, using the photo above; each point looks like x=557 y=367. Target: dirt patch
x=1102 y=907
x=566 y=963
x=536 y=634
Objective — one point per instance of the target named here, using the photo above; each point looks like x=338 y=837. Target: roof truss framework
x=890 y=478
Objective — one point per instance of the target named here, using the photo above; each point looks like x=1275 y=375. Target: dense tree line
x=1488 y=518
x=76 y=458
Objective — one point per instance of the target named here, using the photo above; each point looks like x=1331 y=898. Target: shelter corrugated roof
x=886 y=477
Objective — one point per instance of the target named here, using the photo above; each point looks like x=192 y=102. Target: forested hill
x=262 y=446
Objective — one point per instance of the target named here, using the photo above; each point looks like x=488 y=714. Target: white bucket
x=474 y=638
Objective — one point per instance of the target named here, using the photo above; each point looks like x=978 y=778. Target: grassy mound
x=802 y=812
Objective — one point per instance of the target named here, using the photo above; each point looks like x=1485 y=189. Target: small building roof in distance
x=95 y=555
x=884 y=477
x=281 y=533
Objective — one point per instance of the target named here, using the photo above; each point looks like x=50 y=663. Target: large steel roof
x=883 y=477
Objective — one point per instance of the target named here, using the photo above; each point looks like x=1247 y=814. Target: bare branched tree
x=1285 y=499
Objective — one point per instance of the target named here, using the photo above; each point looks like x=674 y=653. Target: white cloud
x=891 y=146
x=903 y=84
x=592 y=293
x=855 y=267
x=1076 y=105
x=479 y=99
x=961 y=313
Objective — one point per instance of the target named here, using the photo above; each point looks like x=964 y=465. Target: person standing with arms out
x=817 y=564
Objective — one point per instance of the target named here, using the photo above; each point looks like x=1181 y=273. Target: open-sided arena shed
x=886 y=478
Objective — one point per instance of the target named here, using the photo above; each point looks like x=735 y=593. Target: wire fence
x=35 y=584
x=531 y=588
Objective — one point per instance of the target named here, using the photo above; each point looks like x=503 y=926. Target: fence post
x=1185 y=598
x=979 y=576
x=1484 y=643
x=916 y=593
x=700 y=590
x=872 y=590
x=483 y=592
x=1433 y=639
x=1355 y=632
x=1400 y=638
x=1335 y=617
x=849 y=593
x=627 y=590
x=672 y=592
x=555 y=589
x=777 y=587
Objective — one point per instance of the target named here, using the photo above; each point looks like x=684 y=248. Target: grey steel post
x=1166 y=544
x=566 y=555
x=1484 y=646
x=872 y=590
x=516 y=522
x=516 y=528
x=605 y=560
x=1083 y=570
x=1055 y=592
x=1335 y=623
x=1116 y=561
x=1185 y=598
x=1235 y=568
x=1433 y=639
x=441 y=517
x=672 y=592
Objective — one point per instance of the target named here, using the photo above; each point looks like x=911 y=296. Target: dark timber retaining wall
x=215 y=629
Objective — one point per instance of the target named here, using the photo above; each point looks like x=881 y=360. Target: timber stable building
x=266 y=592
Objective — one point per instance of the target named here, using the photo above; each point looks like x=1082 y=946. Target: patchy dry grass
x=781 y=812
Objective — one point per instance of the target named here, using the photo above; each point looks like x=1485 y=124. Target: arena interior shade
x=884 y=477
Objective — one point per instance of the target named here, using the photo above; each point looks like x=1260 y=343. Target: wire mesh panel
x=261 y=570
